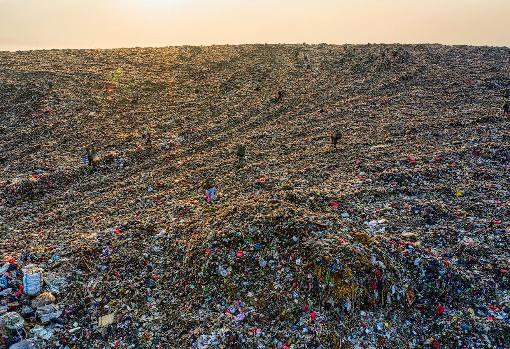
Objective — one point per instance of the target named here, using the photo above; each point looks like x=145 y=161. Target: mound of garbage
x=255 y=196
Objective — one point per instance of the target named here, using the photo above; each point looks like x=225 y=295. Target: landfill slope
x=398 y=238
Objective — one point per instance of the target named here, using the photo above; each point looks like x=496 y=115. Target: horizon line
x=255 y=44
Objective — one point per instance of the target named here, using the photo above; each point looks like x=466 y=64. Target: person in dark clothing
x=335 y=136
x=241 y=151
x=91 y=157
x=278 y=98
x=241 y=154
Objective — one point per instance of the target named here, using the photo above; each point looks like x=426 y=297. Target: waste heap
x=195 y=197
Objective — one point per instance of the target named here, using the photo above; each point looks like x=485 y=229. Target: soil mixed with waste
x=255 y=196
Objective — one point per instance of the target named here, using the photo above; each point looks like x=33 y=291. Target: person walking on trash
x=506 y=105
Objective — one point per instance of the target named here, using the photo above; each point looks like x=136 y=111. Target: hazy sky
x=31 y=24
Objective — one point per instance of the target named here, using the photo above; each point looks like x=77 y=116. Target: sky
x=47 y=24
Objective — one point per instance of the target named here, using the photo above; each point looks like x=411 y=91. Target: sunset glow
x=28 y=24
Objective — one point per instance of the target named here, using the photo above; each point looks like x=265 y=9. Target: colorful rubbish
x=185 y=239
x=24 y=344
x=11 y=323
x=32 y=280
x=211 y=194
x=47 y=313
x=106 y=320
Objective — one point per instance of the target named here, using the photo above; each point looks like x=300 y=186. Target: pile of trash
x=287 y=278
x=29 y=300
x=255 y=196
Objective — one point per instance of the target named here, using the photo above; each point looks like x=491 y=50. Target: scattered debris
x=399 y=241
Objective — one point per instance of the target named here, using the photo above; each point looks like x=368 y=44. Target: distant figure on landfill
x=278 y=97
x=147 y=138
x=506 y=103
x=334 y=137
x=135 y=98
x=241 y=153
x=506 y=107
x=89 y=158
